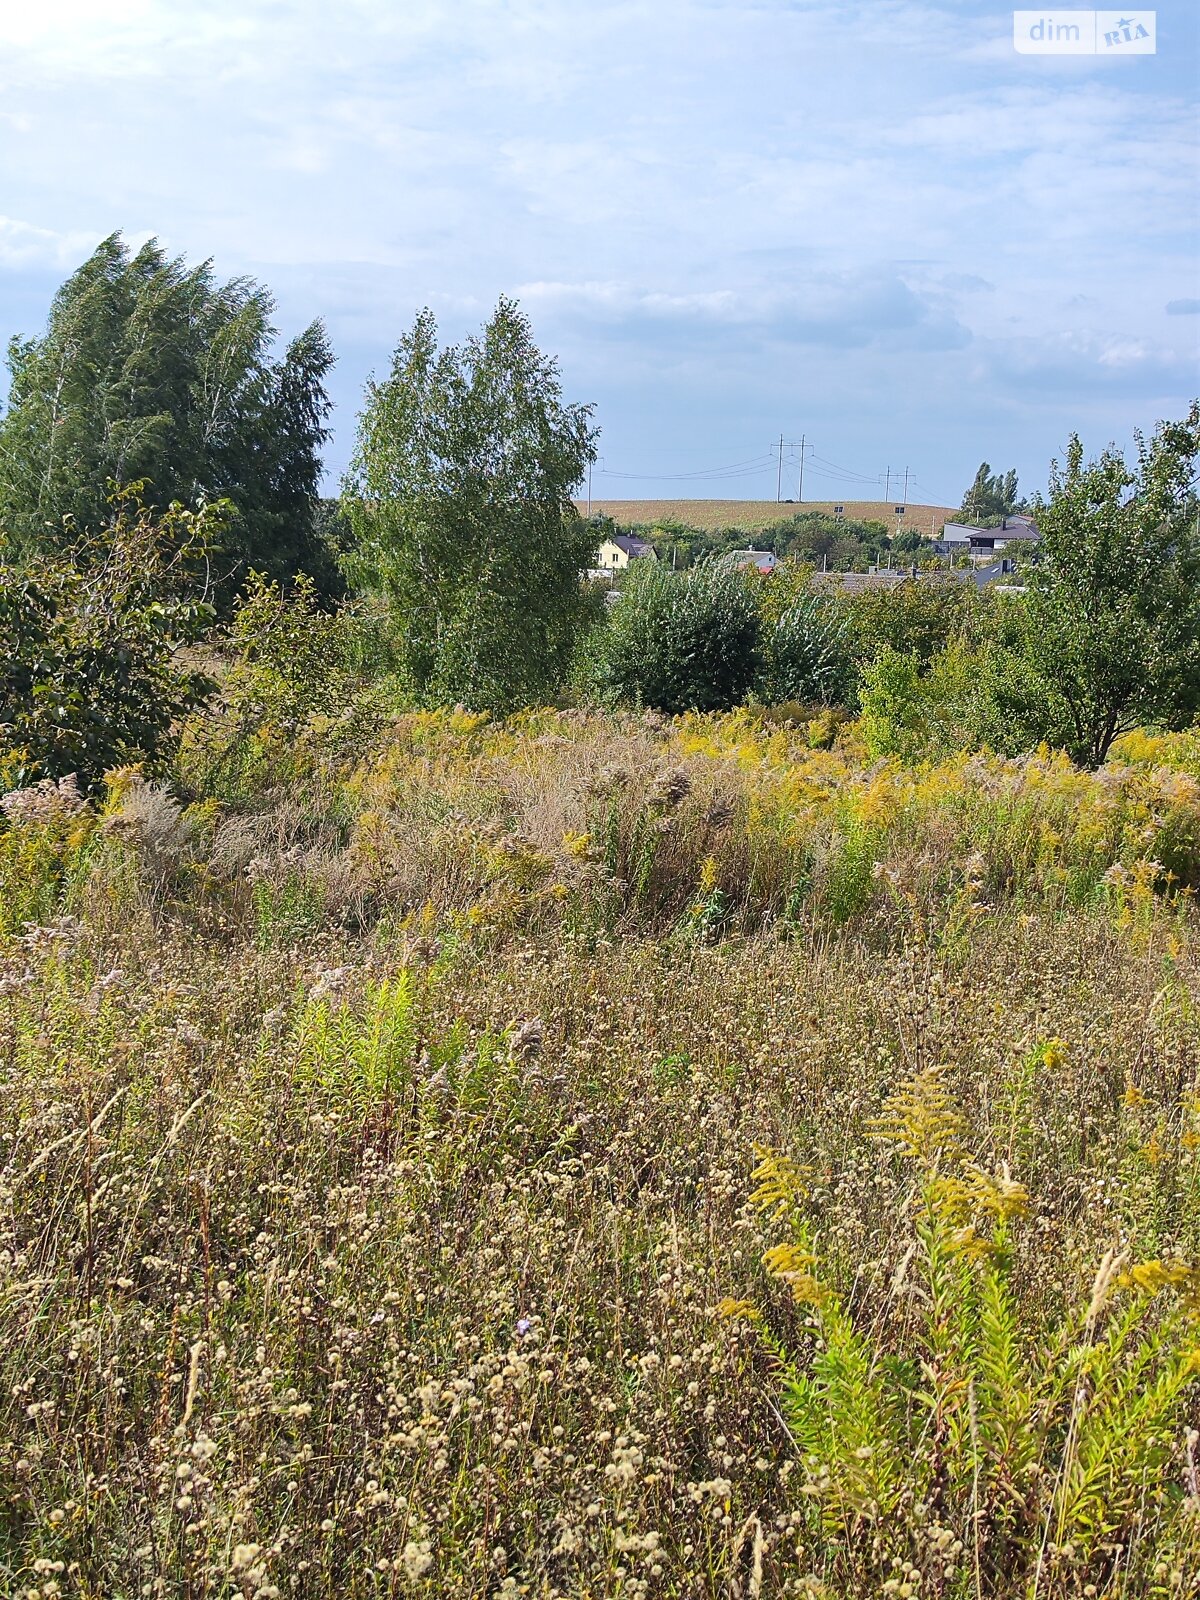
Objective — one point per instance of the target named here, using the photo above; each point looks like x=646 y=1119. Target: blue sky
x=873 y=224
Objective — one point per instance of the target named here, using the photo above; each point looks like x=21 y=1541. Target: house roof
x=1011 y=528
x=892 y=577
x=999 y=572
x=764 y=560
x=631 y=544
x=854 y=582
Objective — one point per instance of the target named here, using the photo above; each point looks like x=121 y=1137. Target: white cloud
x=1071 y=362
x=830 y=206
x=836 y=310
x=22 y=244
x=58 y=39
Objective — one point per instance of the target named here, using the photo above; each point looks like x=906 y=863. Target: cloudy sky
x=871 y=223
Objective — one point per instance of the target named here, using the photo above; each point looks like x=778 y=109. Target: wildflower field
x=597 y=1155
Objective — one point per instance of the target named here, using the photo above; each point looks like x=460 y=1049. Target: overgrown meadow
x=596 y=1155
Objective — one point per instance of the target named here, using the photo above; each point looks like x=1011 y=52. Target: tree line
x=160 y=462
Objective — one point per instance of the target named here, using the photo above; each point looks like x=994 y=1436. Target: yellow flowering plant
x=965 y=1451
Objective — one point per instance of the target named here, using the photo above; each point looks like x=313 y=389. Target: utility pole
x=887 y=485
x=779 y=473
x=904 y=496
x=589 y=509
x=800 y=490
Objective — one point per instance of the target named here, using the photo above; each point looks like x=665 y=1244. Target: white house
x=764 y=561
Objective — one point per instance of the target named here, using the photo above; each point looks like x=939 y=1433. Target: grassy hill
x=756 y=514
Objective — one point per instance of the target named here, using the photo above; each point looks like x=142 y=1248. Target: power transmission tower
x=779 y=473
x=800 y=490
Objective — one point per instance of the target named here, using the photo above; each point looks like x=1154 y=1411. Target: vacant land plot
x=755 y=514
x=376 y=1150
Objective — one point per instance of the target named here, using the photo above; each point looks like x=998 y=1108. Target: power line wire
x=850 y=472
x=734 y=469
x=820 y=467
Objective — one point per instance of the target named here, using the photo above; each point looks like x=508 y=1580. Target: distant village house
x=764 y=561
x=1014 y=534
x=616 y=553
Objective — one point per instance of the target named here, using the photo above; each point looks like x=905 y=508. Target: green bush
x=92 y=673
x=292 y=656
x=291 y=665
x=682 y=641
x=962 y=701
x=805 y=655
x=892 y=701
x=912 y=618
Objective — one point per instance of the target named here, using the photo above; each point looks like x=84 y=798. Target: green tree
x=991 y=498
x=837 y=543
x=911 y=542
x=1110 y=626
x=152 y=371
x=459 y=496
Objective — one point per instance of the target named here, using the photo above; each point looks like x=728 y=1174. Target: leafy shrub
x=291 y=661
x=917 y=619
x=805 y=654
x=965 y=699
x=93 y=678
x=893 y=720
x=682 y=641
x=292 y=656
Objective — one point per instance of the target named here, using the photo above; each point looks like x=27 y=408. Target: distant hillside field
x=755 y=514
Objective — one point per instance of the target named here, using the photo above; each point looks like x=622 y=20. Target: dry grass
x=369 y=1189
x=754 y=515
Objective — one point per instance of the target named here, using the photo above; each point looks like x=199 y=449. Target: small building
x=616 y=553
x=1002 y=573
x=764 y=561
x=955 y=540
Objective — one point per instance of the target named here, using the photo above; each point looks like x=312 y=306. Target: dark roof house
x=632 y=545
x=615 y=553
x=959 y=538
